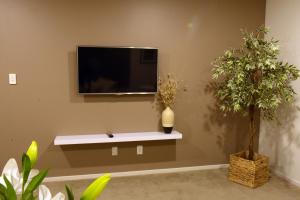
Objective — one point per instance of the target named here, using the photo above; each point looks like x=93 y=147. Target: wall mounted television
x=117 y=70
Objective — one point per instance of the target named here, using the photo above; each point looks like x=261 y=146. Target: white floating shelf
x=118 y=137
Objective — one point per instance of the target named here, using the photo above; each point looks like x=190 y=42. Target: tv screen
x=117 y=70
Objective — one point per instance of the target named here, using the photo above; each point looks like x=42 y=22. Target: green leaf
x=96 y=188
x=10 y=191
x=26 y=165
x=2 y=192
x=32 y=152
x=2 y=197
x=28 y=196
x=69 y=193
x=35 y=182
x=2 y=189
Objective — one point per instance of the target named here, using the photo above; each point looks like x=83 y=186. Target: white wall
x=282 y=142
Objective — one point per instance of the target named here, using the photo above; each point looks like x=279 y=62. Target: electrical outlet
x=139 y=150
x=114 y=151
x=12 y=79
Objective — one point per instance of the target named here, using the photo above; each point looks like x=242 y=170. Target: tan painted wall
x=38 y=40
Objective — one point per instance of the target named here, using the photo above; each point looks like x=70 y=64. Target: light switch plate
x=12 y=79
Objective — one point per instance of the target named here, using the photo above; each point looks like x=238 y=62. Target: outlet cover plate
x=114 y=151
x=139 y=150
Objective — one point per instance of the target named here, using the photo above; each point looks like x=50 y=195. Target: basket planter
x=251 y=173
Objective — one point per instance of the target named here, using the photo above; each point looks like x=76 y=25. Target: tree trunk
x=252 y=131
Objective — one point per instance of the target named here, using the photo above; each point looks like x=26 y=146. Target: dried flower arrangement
x=167 y=90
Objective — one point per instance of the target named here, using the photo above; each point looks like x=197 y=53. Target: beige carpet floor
x=206 y=185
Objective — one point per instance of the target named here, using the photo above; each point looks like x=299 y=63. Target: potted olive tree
x=251 y=80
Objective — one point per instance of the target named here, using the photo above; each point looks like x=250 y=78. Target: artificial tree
x=251 y=80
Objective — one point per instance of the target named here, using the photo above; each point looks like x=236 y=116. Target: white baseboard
x=288 y=179
x=136 y=173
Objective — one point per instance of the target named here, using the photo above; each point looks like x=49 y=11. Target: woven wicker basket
x=247 y=172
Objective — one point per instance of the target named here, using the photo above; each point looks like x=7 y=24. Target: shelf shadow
x=91 y=155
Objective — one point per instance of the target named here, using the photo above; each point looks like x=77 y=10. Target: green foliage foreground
x=24 y=185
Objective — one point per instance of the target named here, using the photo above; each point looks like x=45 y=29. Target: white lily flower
x=11 y=171
x=45 y=194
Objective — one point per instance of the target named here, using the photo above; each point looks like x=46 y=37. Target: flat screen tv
x=117 y=70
